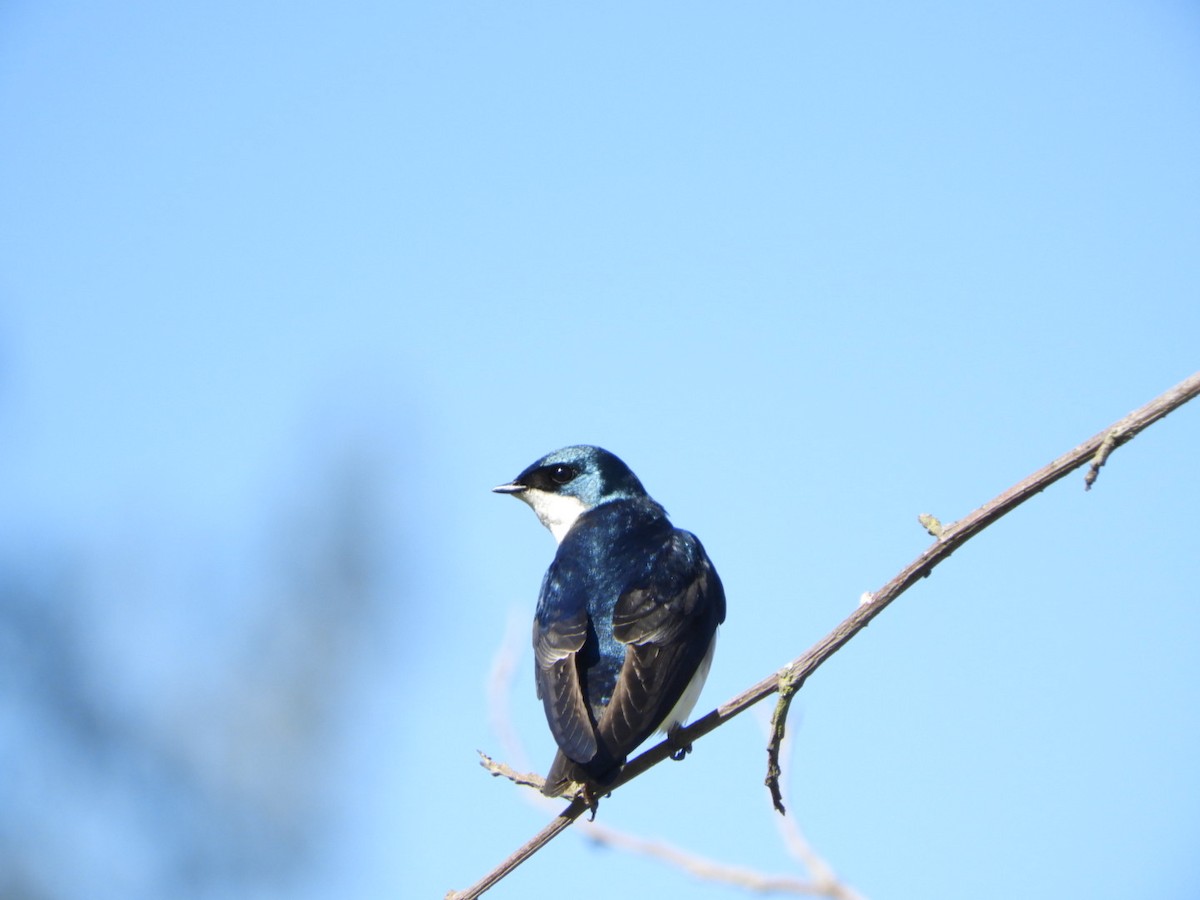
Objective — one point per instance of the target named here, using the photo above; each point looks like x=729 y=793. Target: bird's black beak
x=513 y=488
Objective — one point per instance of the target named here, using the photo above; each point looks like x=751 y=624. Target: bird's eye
x=561 y=474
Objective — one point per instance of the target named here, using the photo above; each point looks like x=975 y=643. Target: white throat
x=557 y=512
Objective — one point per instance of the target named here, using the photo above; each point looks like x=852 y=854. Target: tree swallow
x=627 y=616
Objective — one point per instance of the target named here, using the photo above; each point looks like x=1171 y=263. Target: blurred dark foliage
x=134 y=762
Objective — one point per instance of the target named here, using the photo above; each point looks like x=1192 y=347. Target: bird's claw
x=591 y=797
x=678 y=749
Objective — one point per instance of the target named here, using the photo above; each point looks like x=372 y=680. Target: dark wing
x=667 y=622
x=557 y=637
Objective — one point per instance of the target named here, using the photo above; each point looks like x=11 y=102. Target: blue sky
x=810 y=270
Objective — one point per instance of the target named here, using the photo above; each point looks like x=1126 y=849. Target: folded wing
x=556 y=645
x=667 y=621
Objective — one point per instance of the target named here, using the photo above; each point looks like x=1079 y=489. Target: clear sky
x=810 y=269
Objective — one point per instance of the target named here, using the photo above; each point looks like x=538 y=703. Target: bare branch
x=792 y=676
x=558 y=824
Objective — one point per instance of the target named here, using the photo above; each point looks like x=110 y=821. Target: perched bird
x=627 y=617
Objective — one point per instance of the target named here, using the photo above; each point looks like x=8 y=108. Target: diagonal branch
x=791 y=677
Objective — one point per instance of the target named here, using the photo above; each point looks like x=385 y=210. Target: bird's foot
x=679 y=749
x=589 y=795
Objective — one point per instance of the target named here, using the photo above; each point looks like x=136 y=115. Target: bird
x=626 y=620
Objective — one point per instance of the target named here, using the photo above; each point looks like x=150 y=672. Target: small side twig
x=500 y=770
x=1107 y=446
x=789 y=685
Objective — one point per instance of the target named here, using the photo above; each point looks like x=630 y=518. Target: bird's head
x=563 y=485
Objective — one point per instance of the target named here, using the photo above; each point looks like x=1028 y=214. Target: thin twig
x=706 y=869
x=501 y=770
x=499 y=689
x=953 y=536
x=789 y=684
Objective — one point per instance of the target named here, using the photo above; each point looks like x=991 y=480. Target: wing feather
x=667 y=622
x=556 y=645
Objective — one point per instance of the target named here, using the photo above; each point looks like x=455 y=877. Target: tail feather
x=564 y=772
